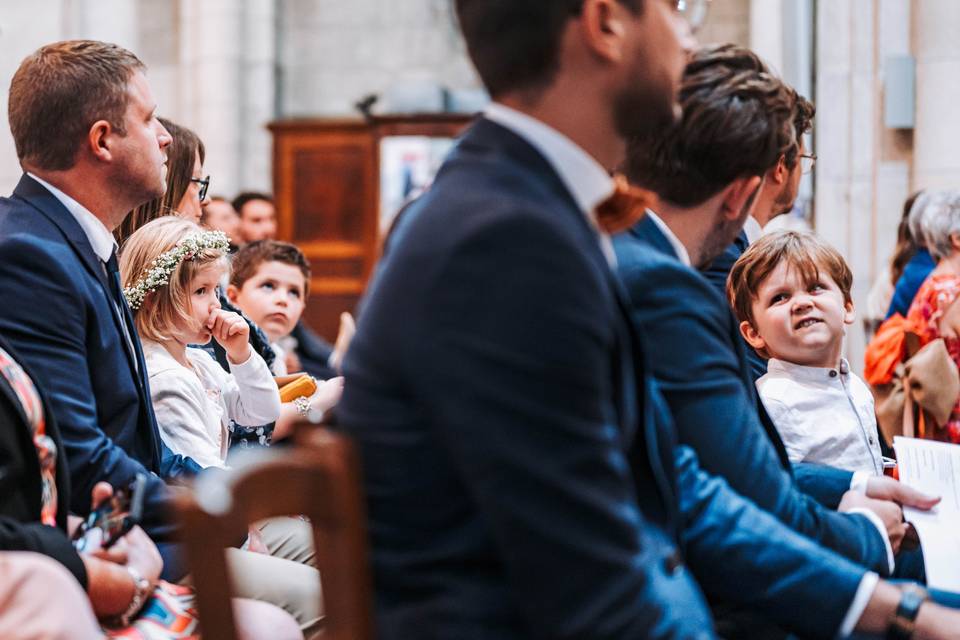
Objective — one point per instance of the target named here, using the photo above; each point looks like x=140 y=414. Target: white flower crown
x=159 y=271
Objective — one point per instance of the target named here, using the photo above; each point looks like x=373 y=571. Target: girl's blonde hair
x=169 y=305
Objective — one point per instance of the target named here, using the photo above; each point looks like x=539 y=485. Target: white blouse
x=194 y=406
x=824 y=415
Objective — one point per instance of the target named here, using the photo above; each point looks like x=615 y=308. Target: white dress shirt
x=194 y=406
x=589 y=183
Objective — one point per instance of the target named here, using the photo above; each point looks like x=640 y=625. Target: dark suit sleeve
x=824 y=484
x=314 y=352
x=39 y=538
x=518 y=373
x=697 y=370
x=744 y=556
x=45 y=327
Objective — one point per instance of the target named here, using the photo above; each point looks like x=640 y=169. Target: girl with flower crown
x=170 y=270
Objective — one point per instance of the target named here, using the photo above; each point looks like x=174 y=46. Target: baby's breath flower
x=158 y=274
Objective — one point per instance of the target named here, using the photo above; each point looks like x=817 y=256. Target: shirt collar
x=674 y=241
x=588 y=182
x=99 y=237
x=753 y=229
x=822 y=375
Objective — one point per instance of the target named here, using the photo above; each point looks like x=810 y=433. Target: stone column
x=258 y=94
x=937 y=50
x=846 y=142
x=210 y=99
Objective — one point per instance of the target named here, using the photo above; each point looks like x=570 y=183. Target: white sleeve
x=181 y=420
x=250 y=393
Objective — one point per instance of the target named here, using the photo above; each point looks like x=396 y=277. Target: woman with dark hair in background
x=186 y=185
x=882 y=291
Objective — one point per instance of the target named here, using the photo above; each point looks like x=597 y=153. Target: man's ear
x=779 y=173
x=232 y=293
x=737 y=194
x=849 y=313
x=603 y=28
x=99 y=140
x=751 y=336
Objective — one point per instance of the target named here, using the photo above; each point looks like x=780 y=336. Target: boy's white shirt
x=824 y=415
x=194 y=407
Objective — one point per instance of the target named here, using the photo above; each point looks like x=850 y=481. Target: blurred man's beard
x=724 y=233
x=643 y=109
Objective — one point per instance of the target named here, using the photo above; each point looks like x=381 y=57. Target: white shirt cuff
x=860 y=601
x=878 y=523
x=859 y=481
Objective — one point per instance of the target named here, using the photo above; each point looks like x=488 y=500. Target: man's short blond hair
x=803 y=251
x=59 y=91
x=169 y=305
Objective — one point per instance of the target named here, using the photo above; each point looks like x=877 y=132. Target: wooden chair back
x=317 y=478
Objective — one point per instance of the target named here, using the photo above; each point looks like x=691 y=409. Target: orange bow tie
x=625 y=206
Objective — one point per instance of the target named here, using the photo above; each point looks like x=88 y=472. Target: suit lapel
x=46 y=203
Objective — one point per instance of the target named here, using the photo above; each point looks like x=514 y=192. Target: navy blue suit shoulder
x=494 y=461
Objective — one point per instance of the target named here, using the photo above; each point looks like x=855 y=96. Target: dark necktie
x=116 y=294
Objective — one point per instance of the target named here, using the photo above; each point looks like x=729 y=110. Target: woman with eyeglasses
x=186 y=185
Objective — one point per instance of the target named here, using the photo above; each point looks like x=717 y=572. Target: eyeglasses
x=204 y=186
x=694 y=12
x=807 y=160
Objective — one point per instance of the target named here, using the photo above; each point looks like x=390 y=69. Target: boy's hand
x=233 y=334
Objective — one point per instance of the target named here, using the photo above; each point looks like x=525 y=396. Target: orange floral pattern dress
x=934 y=297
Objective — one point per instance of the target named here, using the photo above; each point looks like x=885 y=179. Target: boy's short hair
x=168 y=305
x=803 y=251
x=250 y=256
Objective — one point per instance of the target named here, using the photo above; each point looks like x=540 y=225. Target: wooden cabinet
x=326 y=180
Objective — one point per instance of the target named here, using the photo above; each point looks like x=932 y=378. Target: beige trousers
x=39 y=598
x=287 y=577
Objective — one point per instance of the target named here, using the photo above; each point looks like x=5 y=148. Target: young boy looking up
x=791 y=293
x=270 y=282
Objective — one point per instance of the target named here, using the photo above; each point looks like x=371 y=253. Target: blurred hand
x=325 y=397
x=344 y=336
x=884 y=488
x=232 y=332
x=255 y=541
x=889 y=513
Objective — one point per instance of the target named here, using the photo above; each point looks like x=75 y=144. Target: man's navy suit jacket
x=716 y=272
x=514 y=488
x=700 y=367
x=58 y=315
